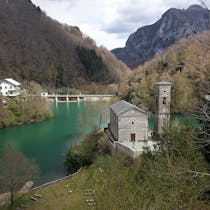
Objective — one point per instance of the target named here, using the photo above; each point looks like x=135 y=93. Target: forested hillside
x=186 y=64
x=35 y=47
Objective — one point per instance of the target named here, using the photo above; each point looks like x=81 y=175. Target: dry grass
x=64 y=195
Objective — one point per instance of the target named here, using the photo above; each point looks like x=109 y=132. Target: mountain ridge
x=174 y=25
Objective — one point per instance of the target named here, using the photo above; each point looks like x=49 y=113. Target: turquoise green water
x=47 y=142
x=175 y=118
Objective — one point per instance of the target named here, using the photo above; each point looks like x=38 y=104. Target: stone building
x=128 y=128
x=128 y=123
x=162 y=91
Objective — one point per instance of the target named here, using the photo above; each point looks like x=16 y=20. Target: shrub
x=24 y=110
x=73 y=162
x=86 y=152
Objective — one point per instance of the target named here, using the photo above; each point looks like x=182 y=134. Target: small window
x=164 y=100
x=132 y=123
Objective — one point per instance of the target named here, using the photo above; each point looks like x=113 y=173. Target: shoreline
x=29 y=122
x=4 y=197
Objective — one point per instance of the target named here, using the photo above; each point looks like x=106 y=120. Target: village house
x=10 y=88
x=128 y=128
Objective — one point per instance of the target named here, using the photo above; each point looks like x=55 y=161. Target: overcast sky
x=110 y=22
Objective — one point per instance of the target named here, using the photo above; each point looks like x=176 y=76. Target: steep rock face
x=35 y=47
x=152 y=39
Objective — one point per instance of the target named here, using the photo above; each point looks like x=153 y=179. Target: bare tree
x=94 y=115
x=203 y=4
x=202 y=113
x=15 y=171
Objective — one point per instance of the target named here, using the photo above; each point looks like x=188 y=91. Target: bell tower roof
x=163 y=82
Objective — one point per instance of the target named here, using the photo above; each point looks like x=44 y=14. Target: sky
x=110 y=22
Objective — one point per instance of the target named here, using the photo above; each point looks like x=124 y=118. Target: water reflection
x=47 y=142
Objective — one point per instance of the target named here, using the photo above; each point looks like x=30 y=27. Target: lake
x=47 y=142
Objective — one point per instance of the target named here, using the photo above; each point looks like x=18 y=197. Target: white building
x=44 y=94
x=9 y=87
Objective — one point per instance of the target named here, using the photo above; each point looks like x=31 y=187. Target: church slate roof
x=123 y=106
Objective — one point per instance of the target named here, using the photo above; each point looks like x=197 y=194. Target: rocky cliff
x=174 y=25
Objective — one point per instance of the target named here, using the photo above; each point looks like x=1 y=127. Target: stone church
x=128 y=122
x=128 y=128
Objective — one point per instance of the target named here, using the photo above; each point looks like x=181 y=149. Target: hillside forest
x=186 y=64
x=35 y=47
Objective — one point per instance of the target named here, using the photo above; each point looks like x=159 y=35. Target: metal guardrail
x=57 y=180
x=82 y=95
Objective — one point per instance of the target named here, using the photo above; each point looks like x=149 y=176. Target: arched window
x=133 y=137
x=164 y=100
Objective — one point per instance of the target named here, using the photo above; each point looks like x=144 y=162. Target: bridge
x=78 y=97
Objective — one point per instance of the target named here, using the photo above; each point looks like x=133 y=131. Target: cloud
x=118 y=27
x=110 y=22
x=132 y=15
x=135 y=14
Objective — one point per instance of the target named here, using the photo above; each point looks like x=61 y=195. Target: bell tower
x=162 y=105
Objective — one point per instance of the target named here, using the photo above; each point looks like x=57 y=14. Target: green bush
x=169 y=178
x=84 y=154
x=73 y=162
x=24 y=110
x=166 y=179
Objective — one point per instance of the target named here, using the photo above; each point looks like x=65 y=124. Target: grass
x=63 y=195
x=68 y=194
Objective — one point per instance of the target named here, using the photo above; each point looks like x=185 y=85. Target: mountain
x=186 y=64
x=174 y=25
x=35 y=47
